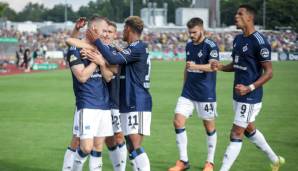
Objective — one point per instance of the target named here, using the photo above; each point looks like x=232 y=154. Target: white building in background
x=214 y=10
x=183 y=15
x=153 y=16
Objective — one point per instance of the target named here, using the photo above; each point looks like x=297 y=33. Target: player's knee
x=236 y=134
x=178 y=122
x=250 y=128
x=86 y=149
x=119 y=138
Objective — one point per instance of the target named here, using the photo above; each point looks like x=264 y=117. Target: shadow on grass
x=7 y=166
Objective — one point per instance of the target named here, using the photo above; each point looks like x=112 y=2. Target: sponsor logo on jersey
x=214 y=54
x=72 y=58
x=245 y=48
x=236 y=59
x=126 y=51
x=240 y=67
x=265 y=53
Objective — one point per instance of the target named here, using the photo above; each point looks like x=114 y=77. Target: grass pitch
x=36 y=112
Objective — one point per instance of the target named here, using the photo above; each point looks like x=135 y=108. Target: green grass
x=36 y=112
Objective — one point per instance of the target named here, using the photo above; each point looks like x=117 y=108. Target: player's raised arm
x=123 y=57
x=80 y=23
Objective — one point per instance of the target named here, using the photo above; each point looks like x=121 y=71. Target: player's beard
x=196 y=39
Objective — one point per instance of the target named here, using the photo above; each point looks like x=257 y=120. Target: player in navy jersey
x=92 y=120
x=74 y=144
x=198 y=92
x=135 y=99
x=116 y=143
x=252 y=67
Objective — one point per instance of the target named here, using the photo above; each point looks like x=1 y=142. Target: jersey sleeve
x=263 y=52
x=124 y=57
x=73 y=56
x=213 y=53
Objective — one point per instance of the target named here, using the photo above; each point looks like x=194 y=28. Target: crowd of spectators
x=172 y=43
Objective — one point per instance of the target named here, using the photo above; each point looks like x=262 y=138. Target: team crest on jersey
x=265 y=53
x=214 y=54
x=234 y=45
x=72 y=58
x=200 y=54
x=187 y=53
x=245 y=48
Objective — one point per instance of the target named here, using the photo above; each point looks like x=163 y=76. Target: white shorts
x=116 y=120
x=89 y=123
x=245 y=113
x=205 y=110
x=136 y=123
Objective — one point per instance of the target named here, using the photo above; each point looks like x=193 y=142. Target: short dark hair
x=135 y=23
x=96 y=18
x=111 y=23
x=250 y=9
x=196 y=21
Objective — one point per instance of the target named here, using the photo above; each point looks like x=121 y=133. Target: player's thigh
x=206 y=110
x=104 y=125
x=116 y=121
x=85 y=123
x=245 y=113
x=136 y=123
x=184 y=107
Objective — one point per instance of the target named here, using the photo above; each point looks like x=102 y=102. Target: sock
x=141 y=159
x=95 y=161
x=123 y=155
x=79 y=160
x=211 y=143
x=259 y=140
x=114 y=157
x=181 y=141
x=231 y=154
x=133 y=164
x=68 y=159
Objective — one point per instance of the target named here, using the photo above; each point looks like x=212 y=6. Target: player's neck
x=133 y=39
x=199 y=41
x=248 y=30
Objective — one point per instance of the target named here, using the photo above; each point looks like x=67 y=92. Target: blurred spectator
x=171 y=43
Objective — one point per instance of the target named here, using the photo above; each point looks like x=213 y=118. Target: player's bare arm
x=96 y=57
x=266 y=76
x=201 y=67
x=83 y=73
x=80 y=23
x=217 y=66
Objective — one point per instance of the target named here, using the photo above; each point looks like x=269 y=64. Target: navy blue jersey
x=135 y=74
x=200 y=86
x=93 y=94
x=114 y=86
x=248 y=53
